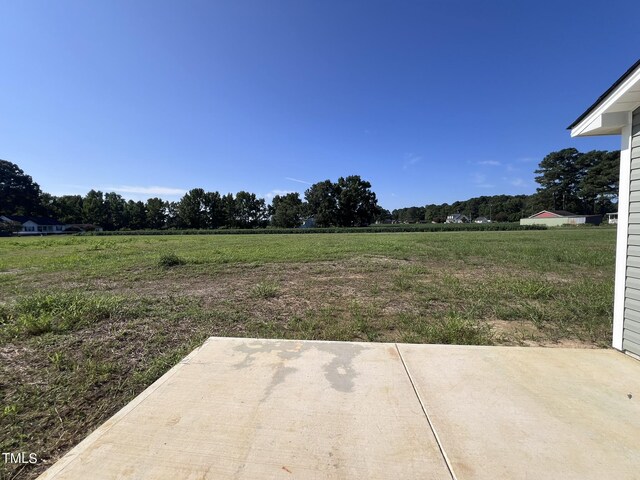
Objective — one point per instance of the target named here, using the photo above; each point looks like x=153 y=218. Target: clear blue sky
x=431 y=101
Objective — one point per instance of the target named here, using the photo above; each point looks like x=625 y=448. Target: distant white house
x=482 y=220
x=457 y=218
x=34 y=225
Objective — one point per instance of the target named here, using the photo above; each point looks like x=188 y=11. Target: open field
x=86 y=323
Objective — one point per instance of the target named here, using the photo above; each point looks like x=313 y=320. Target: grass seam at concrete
x=426 y=415
x=65 y=460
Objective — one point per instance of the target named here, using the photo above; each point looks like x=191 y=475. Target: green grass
x=265 y=289
x=169 y=260
x=117 y=256
x=86 y=323
x=56 y=311
x=386 y=228
x=452 y=329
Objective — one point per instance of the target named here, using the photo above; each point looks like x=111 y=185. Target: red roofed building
x=556 y=218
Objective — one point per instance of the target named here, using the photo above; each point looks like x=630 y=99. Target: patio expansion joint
x=426 y=415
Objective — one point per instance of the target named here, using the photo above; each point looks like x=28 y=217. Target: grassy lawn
x=86 y=323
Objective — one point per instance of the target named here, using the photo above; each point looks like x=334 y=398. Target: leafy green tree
x=498 y=208
x=560 y=172
x=250 y=211
x=383 y=215
x=409 y=215
x=66 y=208
x=599 y=185
x=19 y=194
x=94 y=209
x=560 y=176
x=436 y=213
x=115 y=207
x=537 y=202
x=322 y=203
x=514 y=208
x=357 y=204
x=214 y=210
x=172 y=221
x=46 y=204
x=579 y=182
x=156 y=209
x=287 y=210
x=348 y=202
x=192 y=209
x=229 y=211
x=135 y=215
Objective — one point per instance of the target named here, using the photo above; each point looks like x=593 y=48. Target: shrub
x=265 y=290
x=170 y=260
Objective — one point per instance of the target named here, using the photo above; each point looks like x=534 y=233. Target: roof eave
x=601 y=124
x=597 y=119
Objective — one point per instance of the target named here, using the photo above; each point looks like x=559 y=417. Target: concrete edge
x=292 y=340
x=509 y=347
x=68 y=457
x=603 y=351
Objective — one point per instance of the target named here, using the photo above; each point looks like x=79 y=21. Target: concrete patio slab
x=508 y=412
x=262 y=409
x=256 y=409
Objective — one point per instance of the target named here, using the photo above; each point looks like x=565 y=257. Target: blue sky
x=431 y=101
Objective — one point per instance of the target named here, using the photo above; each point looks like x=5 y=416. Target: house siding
x=631 y=324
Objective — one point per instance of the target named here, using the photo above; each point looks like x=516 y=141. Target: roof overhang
x=610 y=113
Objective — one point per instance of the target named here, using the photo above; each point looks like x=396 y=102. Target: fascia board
x=583 y=127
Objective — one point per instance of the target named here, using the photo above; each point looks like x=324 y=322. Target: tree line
x=497 y=208
x=349 y=202
x=583 y=183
